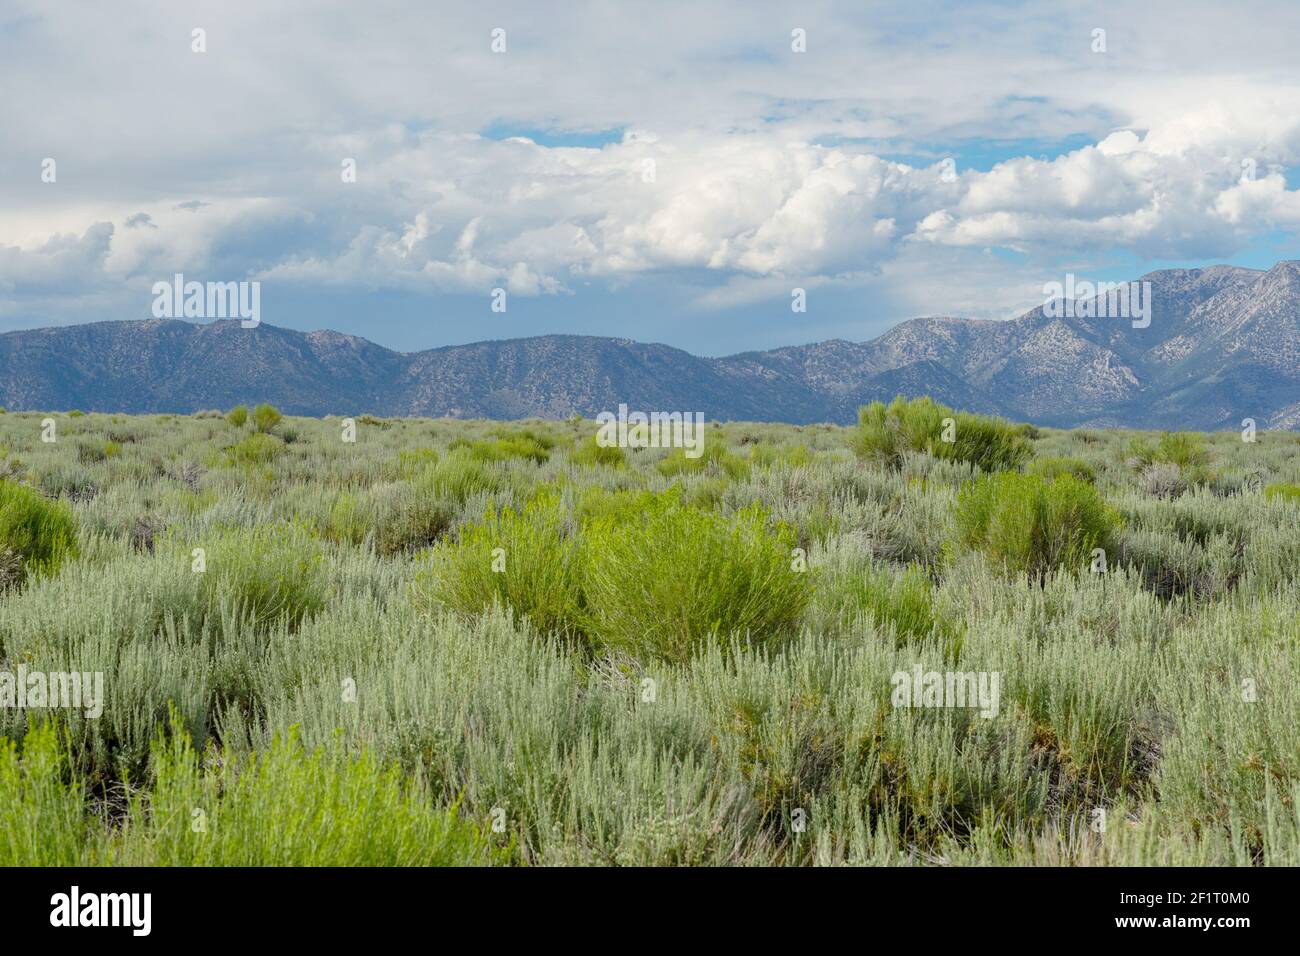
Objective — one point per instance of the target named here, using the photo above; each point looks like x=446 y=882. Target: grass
x=677 y=655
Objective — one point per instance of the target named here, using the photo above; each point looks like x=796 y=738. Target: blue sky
x=667 y=174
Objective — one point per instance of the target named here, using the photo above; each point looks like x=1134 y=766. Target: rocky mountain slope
x=1223 y=344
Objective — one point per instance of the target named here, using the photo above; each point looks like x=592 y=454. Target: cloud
x=745 y=168
x=65 y=264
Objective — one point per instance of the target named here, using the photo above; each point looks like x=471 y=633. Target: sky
x=668 y=172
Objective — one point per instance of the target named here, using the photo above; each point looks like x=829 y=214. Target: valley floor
x=434 y=642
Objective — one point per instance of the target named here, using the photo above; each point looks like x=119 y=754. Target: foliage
x=886 y=432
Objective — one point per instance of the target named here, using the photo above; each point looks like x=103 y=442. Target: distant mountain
x=1223 y=344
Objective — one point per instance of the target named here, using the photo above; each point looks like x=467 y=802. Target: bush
x=256 y=449
x=458 y=476
x=93 y=451
x=413 y=461
x=1161 y=479
x=1283 y=492
x=903 y=603
x=624 y=506
x=765 y=455
x=1049 y=468
x=266 y=417
x=267 y=574
x=1182 y=450
x=678 y=579
x=508 y=445
x=715 y=459
x=281 y=806
x=42 y=819
x=238 y=416
x=524 y=561
x=400 y=517
x=1170 y=567
x=887 y=432
x=287 y=806
x=591 y=453
x=1032 y=526
x=533 y=436
x=36 y=533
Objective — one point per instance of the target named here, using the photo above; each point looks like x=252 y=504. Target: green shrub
x=714 y=459
x=886 y=432
x=37 y=533
x=903 y=603
x=398 y=518
x=533 y=436
x=679 y=579
x=93 y=451
x=508 y=445
x=287 y=806
x=42 y=818
x=412 y=461
x=1049 y=468
x=267 y=574
x=523 y=561
x=623 y=506
x=1283 y=492
x=1183 y=450
x=266 y=417
x=591 y=453
x=238 y=416
x=254 y=449
x=765 y=455
x=284 y=805
x=458 y=476
x=1032 y=526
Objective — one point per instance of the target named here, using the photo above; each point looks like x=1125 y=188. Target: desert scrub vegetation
x=1030 y=525
x=887 y=432
x=675 y=655
x=280 y=806
x=645 y=575
x=675 y=579
x=36 y=535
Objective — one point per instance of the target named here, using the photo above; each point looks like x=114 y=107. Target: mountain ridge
x=1223 y=344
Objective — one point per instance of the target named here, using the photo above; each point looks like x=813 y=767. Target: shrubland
x=459 y=642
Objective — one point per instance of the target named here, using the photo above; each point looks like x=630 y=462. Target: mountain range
x=1223 y=344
